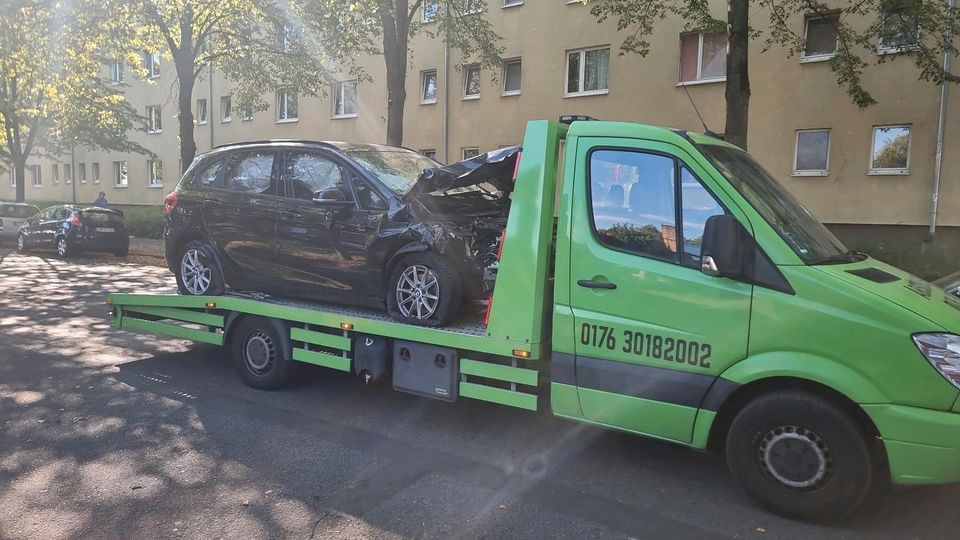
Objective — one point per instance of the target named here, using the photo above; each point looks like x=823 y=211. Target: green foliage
x=143 y=221
x=894 y=154
x=645 y=239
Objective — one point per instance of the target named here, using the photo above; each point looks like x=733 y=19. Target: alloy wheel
x=62 y=247
x=21 y=243
x=195 y=273
x=418 y=292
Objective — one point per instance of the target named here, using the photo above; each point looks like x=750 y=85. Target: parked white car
x=12 y=216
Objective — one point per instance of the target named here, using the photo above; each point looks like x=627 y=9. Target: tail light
x=75 y=220
x=169 y=203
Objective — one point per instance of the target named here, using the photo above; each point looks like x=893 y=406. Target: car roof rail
x=271 y=141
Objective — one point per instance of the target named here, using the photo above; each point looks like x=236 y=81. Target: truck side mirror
x=721 y=252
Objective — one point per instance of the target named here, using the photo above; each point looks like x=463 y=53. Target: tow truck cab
x=686 y=296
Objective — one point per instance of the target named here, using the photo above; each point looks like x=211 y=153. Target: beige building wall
x=788 y=95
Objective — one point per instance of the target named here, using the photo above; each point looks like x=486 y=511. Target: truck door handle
x=591 y=284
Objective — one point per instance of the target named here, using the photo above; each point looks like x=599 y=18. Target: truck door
x=651 y=331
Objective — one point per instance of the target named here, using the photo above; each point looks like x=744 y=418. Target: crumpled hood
x=494 y=168
x=901 y=288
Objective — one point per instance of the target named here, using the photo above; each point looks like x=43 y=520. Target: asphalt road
x=109 y=434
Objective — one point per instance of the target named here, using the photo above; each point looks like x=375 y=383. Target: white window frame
x=153 y=65
x=67 y=174
x=13 y=177
x=466 y=76
x=583 y=67
x=121 y=171
x=36 y=176
x=424 y=152
x=154 y=173
x=154 y=119
x=244 y=109
x=871 y=171
x=881 y=50
x=340 y=87
x=796 y=153
x=465 y=149
x=503 y=75
x=698 y=80
x=55 y=174
x=81 y=173
x=423 y=11
x=205 y=117
x=95 y=172
x=284 y=95
x=806 y=27
x=116 y=72
x=512 y=3
x=423 y=87
x=226 y=102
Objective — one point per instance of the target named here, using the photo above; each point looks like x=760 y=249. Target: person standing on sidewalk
x=101 y=200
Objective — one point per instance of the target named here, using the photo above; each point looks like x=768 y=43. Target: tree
x=249 y=41
x=51 y=93
x=386 y=26
x=924 y=30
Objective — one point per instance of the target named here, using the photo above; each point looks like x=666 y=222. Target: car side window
x=310 y=176
x=62 y=214
x=250 y=172
x=697 y=204
x=207 y=176
x=633 y=202
x=368 y=197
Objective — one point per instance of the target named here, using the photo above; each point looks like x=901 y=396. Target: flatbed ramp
x=490 y=369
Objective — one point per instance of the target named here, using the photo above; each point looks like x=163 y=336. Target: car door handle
x=591 y=284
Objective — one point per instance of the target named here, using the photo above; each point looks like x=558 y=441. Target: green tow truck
x=661 y=283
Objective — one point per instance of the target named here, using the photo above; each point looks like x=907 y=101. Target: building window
x=430 y=11
x=154 y=173
x=472 y=6
x=67 y=173
x=587 y=71
x=246 y=112
x=287 y=110
x=703 y=57
x=285 y=35
x=345 y=99
x=95 y=172
x=890 y=151
x=820 y=36
x=470 y=152
x=13 y=177
x=509 y=3
x=226 y=109
x=82 y=173
x=120 y=174
x=154 y=124
x=899 y=29
x=812 y=153
x=512 y=77
x=428 y=87
x=151 y=61
x=201 y=111
x=36 y=178
x=471 y=82
x=56 y=173
x=116 y=72
x=430 y=153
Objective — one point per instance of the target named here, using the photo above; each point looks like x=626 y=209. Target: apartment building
x=872 y=167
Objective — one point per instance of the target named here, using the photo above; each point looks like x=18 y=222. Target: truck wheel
x=198 y=272
x=424 y=289
x=261 y=352
x=800 y=455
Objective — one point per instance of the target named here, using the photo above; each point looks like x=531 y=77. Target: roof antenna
x=706 y=130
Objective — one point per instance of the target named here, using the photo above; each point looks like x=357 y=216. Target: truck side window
x=697 y=204
x=633 y=202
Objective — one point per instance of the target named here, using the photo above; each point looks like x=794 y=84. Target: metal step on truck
x=661 y=283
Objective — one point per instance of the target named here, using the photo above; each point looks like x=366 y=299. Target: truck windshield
x=811 y=241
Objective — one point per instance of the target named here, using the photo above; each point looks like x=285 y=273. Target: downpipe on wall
x=941 y=128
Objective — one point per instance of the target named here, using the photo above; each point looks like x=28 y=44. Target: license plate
x=105 y=229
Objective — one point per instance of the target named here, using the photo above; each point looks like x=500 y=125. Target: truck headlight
x=943 y=352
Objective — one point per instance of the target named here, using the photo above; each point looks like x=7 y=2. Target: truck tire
x=801 y=455
x=424 y=289
x=260 y=349
x=198 y=272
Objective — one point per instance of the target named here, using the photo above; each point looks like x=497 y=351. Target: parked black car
x=361 y=224
x=72 y=229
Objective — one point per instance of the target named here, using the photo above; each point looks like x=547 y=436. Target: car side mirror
x=331 y=197
x=721 y=253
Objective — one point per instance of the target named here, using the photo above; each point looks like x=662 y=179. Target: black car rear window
x=17 y=211
x=98 y=217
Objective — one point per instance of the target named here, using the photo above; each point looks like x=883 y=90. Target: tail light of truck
x=169 y=203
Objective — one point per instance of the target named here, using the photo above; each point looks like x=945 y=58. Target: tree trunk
x=396 y=28
x=186 y=80
x=19 y=169
x=738 y=78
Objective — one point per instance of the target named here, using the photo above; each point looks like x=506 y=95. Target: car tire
x=64 y=250
x=424 y=289
x=198 y=272
x=21 y=243
x=802 y=456
x=260 y=349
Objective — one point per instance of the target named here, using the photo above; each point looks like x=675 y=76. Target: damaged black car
x=358 y=224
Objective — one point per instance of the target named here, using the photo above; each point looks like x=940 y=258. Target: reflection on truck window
x=697 y=204
x=633 y=206
x=250 y=173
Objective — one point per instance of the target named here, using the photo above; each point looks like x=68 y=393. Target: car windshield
x=811 y=241
x=398 y=169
